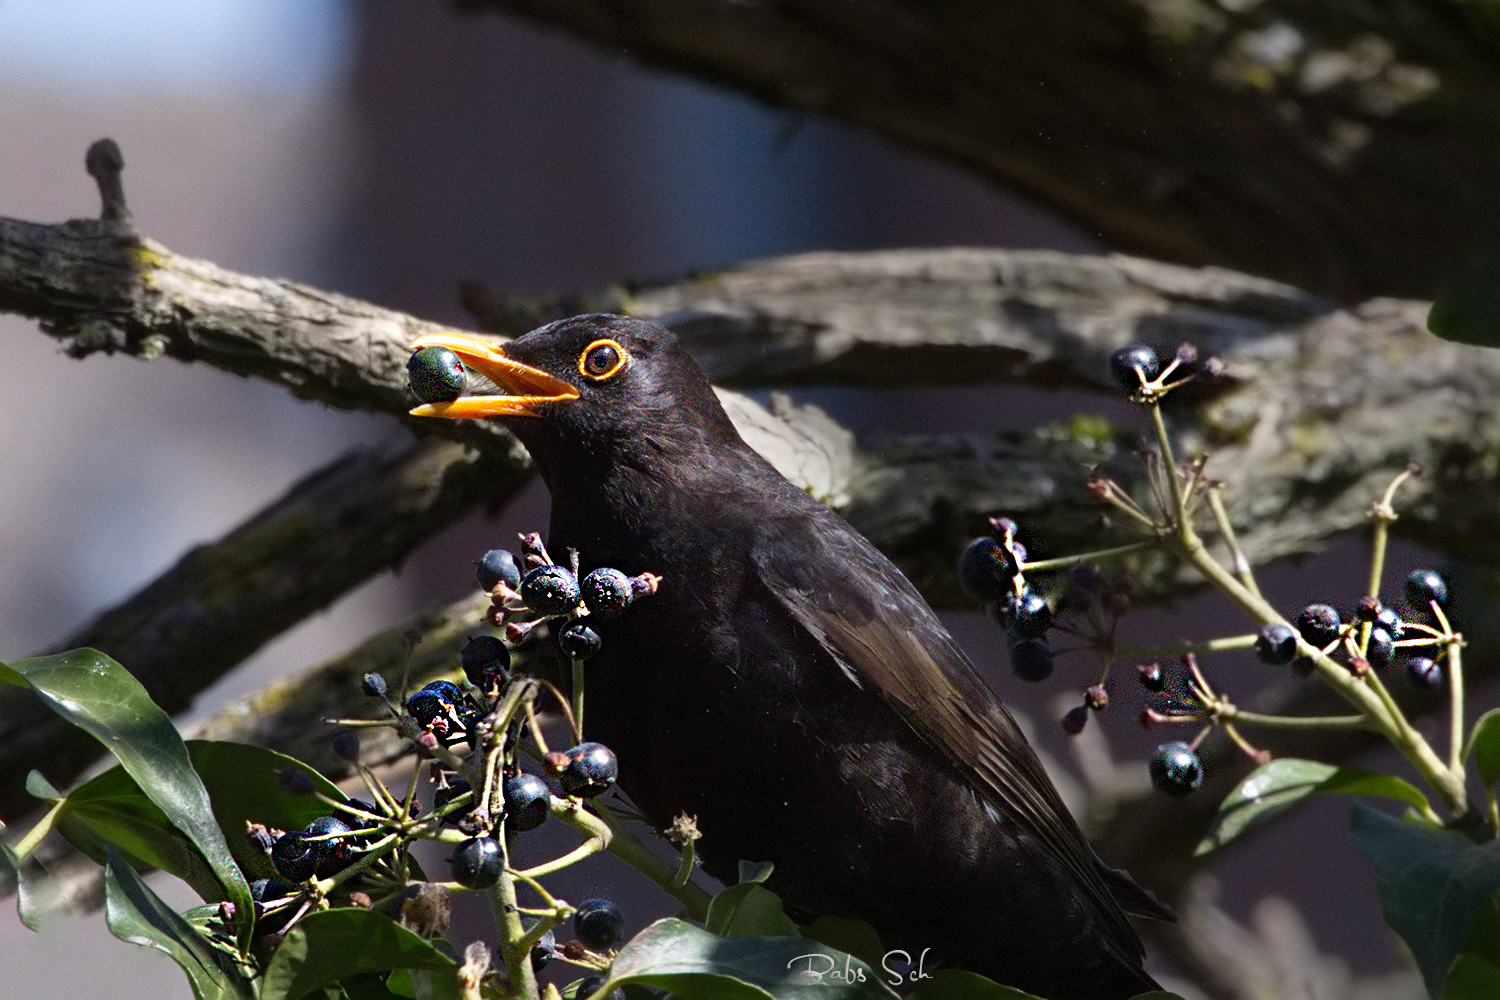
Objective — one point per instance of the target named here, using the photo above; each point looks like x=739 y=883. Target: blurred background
x=390 y=150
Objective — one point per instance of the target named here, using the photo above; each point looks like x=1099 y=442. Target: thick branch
x=223 y=601
x=1347 y=147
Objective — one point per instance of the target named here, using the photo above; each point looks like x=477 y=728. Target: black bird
x=788 y=687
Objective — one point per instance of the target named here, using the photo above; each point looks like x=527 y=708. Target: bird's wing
x=878 y=628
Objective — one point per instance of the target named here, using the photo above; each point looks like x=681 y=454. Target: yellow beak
x=526 y=387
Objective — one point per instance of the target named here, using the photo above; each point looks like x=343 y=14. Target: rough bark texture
x=1349 y=147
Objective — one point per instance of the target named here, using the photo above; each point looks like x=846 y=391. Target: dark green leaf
x=1275 y=787
x=99 y=696
x=243 y=786
x=956 y=984
x=1468 y=310
x=28 y=880
x=848 y=934
x=136 y=914
x=38 y=787
x=755 y=871
x=1432 y=884
x=1475 y=974
x=243 y=783
x=696 y=965
x=327 y=947
x=748 y=910
x=1484 y=747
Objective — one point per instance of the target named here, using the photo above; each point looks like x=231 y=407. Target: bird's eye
x=601 y=360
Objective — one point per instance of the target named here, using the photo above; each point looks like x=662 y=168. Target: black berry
x=1176 y=769
x=1131 y=366
x=578 y=640
x=1423 y=674
x=590 y=770
x=527 y=801
x=435 y=375
x=498 y=565
x=373 y=685
x=268 y=890
x=1028 y=616
x=1381 y=650
x=1391 y=622
x=333 y=856
x=1152 y=677
x=1075 y=720
x=1425 y=587
x=450 y=693
x=477 y=863
x=345 y=744
x=543 y=952
x=1031 y=659
x=294 y=857
x=550 y=590
x=985 y=570
x=295 y=780
x=599 y=924
x=1276 y=644
x=607 y=593
x=426 y=706
x=486 y=660
x=1319 y=624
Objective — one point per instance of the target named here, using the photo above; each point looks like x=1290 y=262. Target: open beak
x=526 y=387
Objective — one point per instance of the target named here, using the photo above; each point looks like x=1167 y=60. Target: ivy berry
x=1176 y=769
x=436 y=375
x=607 y=593
x=599 y=924
x=550 y=590
x=590 y=769
x=477 y=863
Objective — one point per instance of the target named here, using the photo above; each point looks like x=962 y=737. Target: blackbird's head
x=589 y=388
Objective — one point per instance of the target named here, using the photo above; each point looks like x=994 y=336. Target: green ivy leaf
x=1275 y=787
x=848 y=934
x=38 y=787
x=748 y=910
x=693 y=964
x=1468 y=310
x=242 y=784
x=1484 y=747
x=136 y=914
x=327 y=947
x=1475 y=974
x=99 y=696
x=1432 y=885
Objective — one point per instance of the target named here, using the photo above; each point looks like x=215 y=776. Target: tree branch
x=221 y=602
x=1346 y=147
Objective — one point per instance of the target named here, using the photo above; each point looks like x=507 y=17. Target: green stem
x=503 y=906
x=629 y=848
x=578 y=697
x=1384 y=514
x=1297 y=721
x=1455 y=709
x=1370 y=698
x=35 y=835
x=1241 y=564
x=684 y=870
x=1183 y=648
x=1063 y=562
x=1169 y=462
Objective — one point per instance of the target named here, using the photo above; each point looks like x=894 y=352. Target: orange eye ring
x=602 y=360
